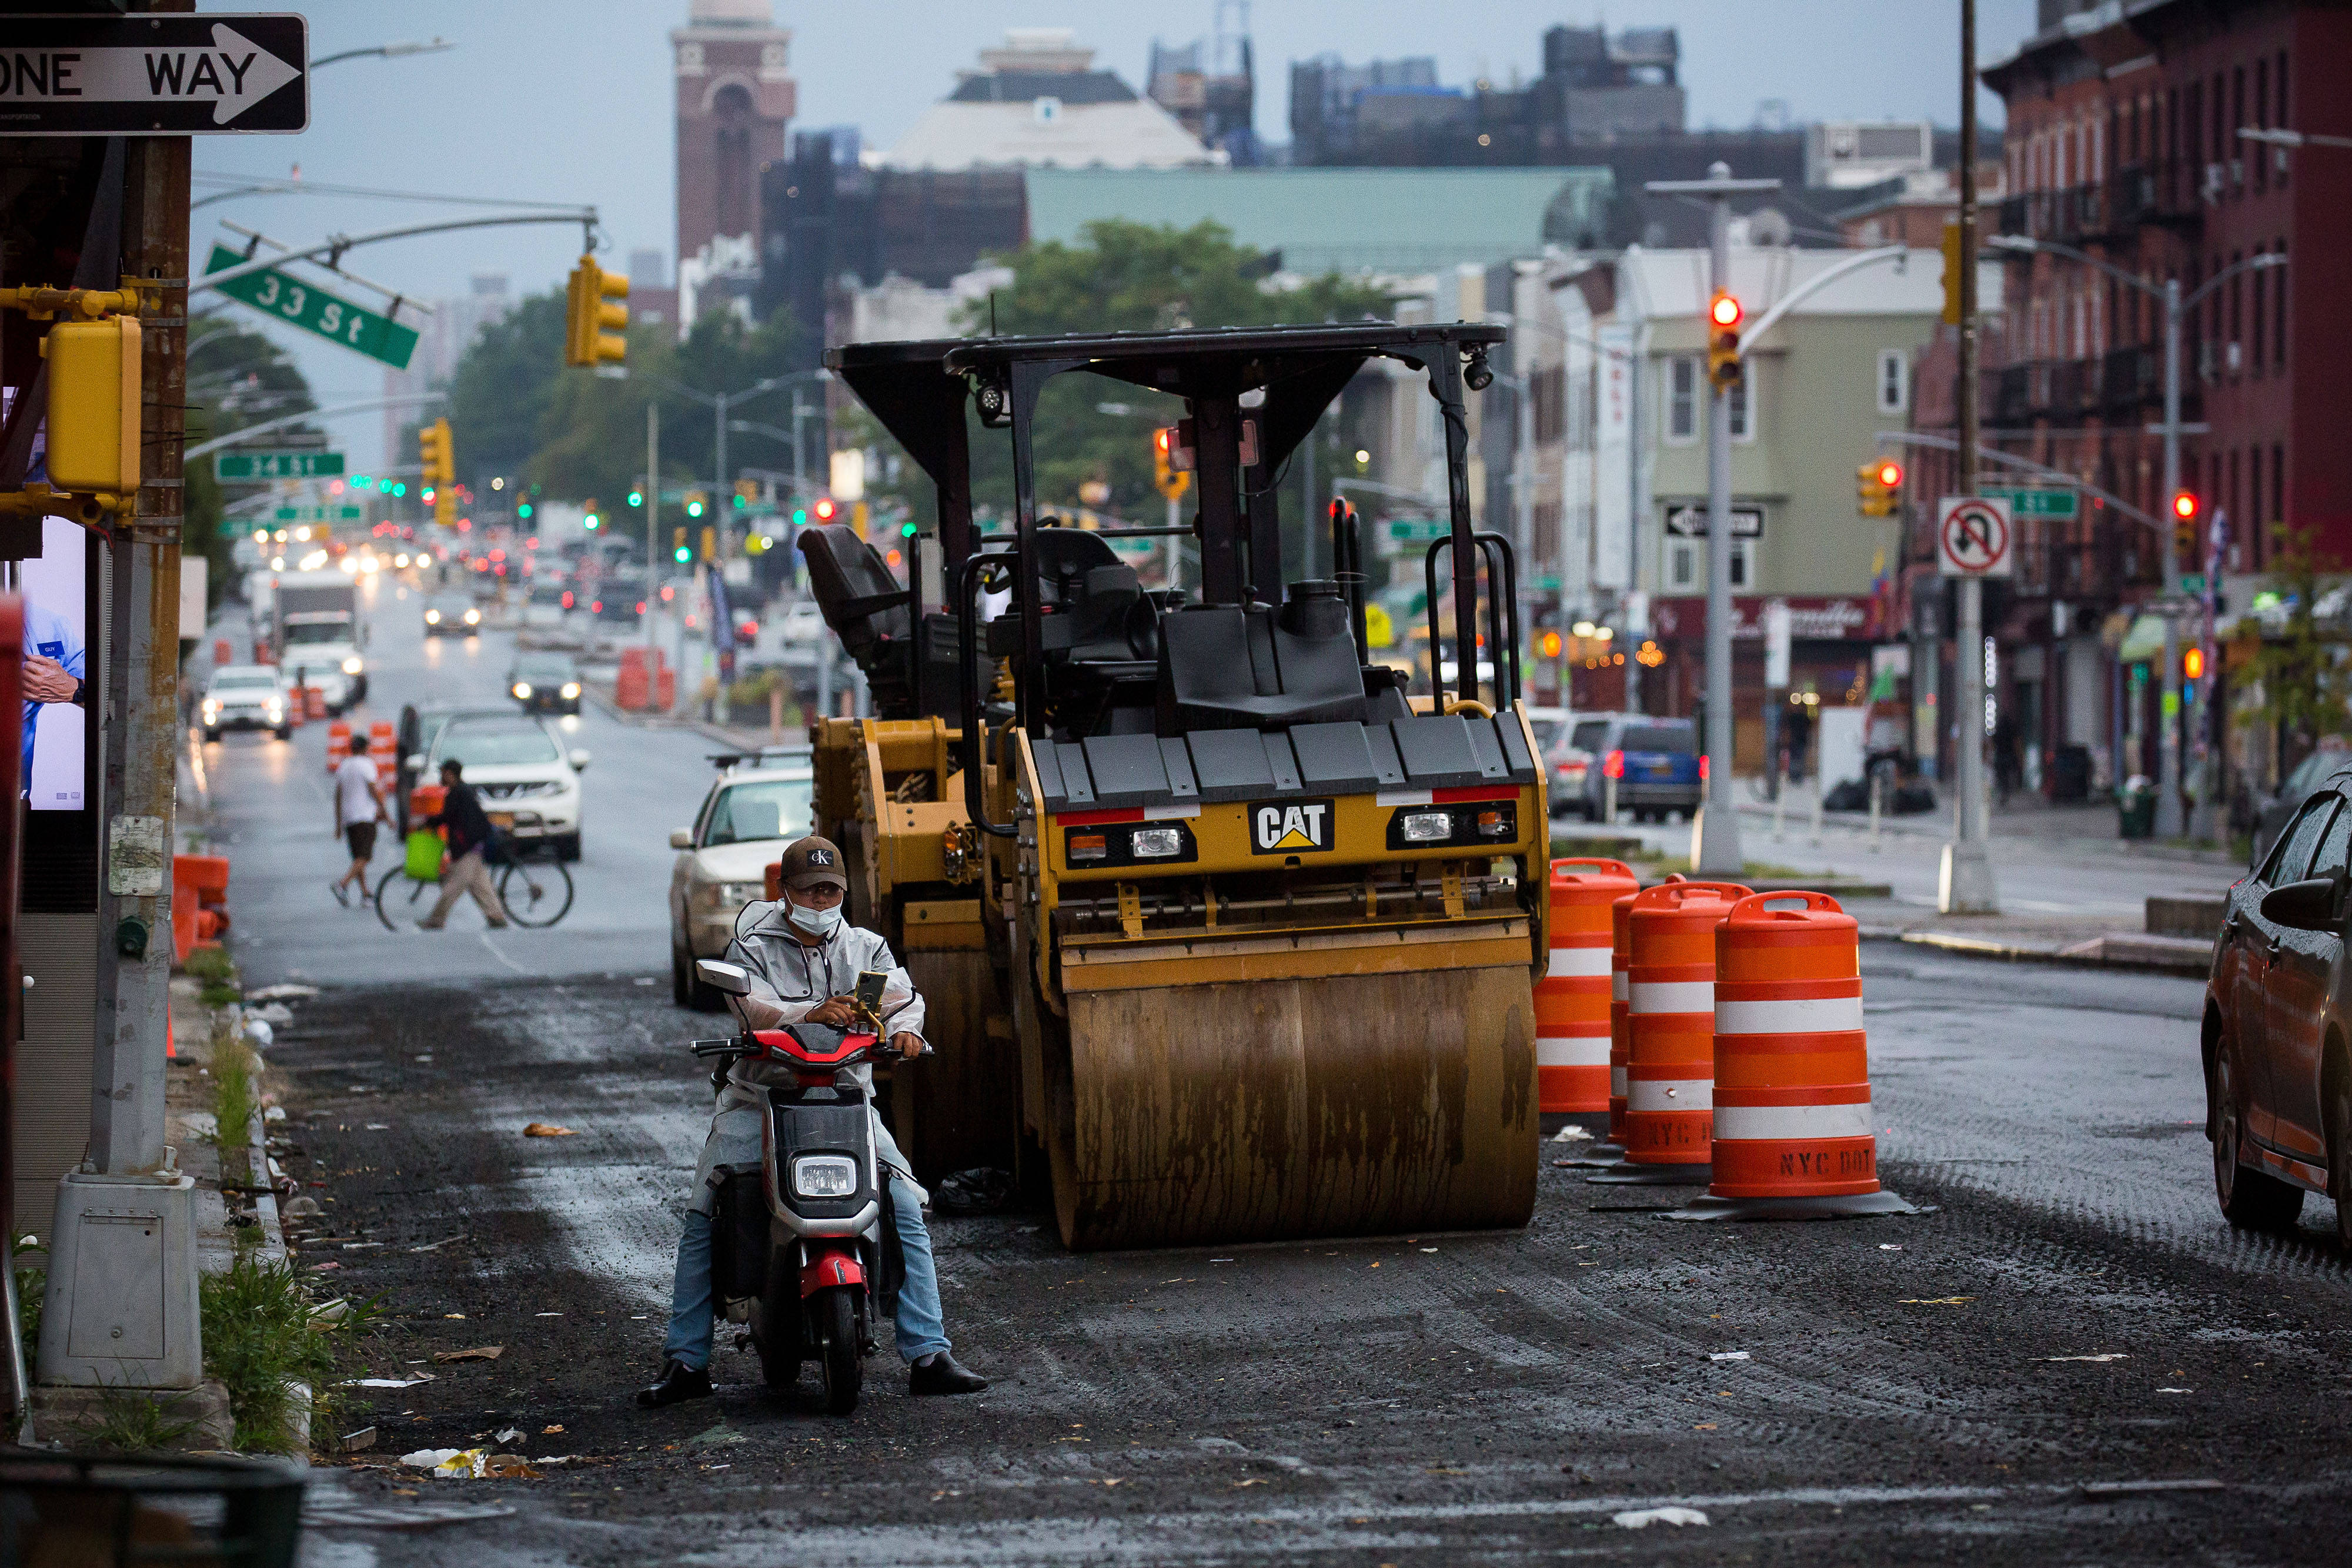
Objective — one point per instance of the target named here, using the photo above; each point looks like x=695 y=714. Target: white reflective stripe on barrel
x=1673 y=1094
x=1768 y=1122
x=1617 y=1081
x=1617 y=986
x=1578 y=963
x=1804 y=1015
x=1572 y=1052
x=1672 y=997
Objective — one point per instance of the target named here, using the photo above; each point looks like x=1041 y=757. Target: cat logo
x=1290 y=827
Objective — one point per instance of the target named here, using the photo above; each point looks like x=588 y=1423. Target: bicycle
x=534 y=886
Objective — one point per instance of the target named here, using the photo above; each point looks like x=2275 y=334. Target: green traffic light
x=905 y=530
x=636 y=498
x=683 y=555
x=694 y=509
x=362 y=482
x=800 y=516
x=738 y=503
x=592 y=522
x=399 y=489
x=524 y=511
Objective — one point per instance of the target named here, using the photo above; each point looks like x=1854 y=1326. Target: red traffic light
x=1724 y=310
x=2184 y=505
x=2192 y=663
x=824 y=510
x=1160 y=438
x=1890 y=473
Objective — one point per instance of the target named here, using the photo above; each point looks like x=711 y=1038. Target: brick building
x=735 y=95
x=2123 y=142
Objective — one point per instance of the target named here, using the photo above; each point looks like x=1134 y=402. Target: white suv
x=245 y=697
x=516 y=767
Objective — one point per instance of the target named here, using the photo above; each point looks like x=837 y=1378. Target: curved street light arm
x=2254 y=263
x=202 y=448
x=1814 y=285
x=341 y=243
x=2031 y=469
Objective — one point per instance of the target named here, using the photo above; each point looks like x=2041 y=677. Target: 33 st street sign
x=149 y=74
x=312 y=308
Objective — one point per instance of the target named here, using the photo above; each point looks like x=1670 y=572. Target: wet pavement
x=2071 y=1359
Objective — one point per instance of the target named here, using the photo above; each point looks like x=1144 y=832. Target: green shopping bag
x=424 y=848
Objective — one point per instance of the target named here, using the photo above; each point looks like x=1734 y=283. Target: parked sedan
x=752 y=812
x=545 y=683
x=2278 y=1014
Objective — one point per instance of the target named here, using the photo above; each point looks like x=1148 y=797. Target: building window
x=2278 y=313
x=1893 y=381
x=1743 y=427
x=1048 y=110
x=2278 y=458
x=1682 y=398
x=1686 y=564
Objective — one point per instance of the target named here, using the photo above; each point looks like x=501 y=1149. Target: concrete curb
x=2131 y=953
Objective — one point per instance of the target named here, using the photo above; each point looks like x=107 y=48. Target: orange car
x=2278 y=1073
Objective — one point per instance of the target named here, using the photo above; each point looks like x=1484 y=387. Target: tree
x=2302 y=688
x=237 y=378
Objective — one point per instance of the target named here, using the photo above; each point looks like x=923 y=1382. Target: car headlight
x=1156 y=843
x=277 y=710
x=400 y=560
x=212 y=709
x=473 y=617
x=729 y=896
x=433 y=618
x=1428 y=827
x=522 y=690
x=824 y=1175
x=353 y=665
x=571 y=690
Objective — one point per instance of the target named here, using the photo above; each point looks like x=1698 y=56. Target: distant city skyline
x=581 y=113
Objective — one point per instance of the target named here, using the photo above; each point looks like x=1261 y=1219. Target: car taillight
x=567 y=602
x=597 y=607
x=1614 y=767
x=1702 y=767
x=641 y=606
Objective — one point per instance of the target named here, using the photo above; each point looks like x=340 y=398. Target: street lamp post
x=1714 y=846
x=2176 y=307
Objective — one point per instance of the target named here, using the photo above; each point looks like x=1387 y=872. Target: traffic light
x=1549 y=644
x=1878 y=486
x=595 y=313
x=524 y=511
x=1166 y=477
x=590 y=519
x=1723 y=318
x=825 y=510
x=710 y=542
x=2185 y=553
x=746 y=491
x=697 y=503
x=438 y=454
x=636 y=500
x=2192 y=663
x=679 y=552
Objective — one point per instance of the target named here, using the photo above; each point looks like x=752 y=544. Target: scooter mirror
x=728 y=978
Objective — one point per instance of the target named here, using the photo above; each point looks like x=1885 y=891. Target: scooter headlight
x=824 y=1175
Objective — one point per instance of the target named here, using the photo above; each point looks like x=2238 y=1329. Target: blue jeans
x=921 y=1328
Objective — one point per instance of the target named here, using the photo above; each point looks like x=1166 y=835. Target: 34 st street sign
x=277 y=465
x=150 y=74
x=312 y=308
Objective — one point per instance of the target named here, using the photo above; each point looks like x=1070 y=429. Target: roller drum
x=1326 y=1106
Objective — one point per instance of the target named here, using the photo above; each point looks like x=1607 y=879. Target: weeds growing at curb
x=212 y=965
x=263 y=1337
x=132 y=1421
x=234 y=1096
x=31 y=1283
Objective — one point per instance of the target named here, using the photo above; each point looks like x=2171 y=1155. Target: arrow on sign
x=234 y=74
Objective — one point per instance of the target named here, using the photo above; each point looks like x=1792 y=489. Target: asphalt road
x=1970 y=1384
x=1935 y=1388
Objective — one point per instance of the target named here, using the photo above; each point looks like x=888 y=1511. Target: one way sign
x=154 y=75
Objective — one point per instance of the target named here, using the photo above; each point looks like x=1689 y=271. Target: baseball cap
x=813 y=861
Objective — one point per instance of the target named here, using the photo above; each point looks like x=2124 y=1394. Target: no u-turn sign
x=1973 y=538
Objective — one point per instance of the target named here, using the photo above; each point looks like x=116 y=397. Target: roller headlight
x=1156 y=843
x=1428 y=827
x=824 y=1175
x=353 y=665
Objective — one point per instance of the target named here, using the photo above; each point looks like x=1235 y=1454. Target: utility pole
x=653 y=519
x=1715 y=840
x=2169 y=824
x=1964 y=884
x=121 y=1302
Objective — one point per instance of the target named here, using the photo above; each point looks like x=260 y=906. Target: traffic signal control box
x=94 y=396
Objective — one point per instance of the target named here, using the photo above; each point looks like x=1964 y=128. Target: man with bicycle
x=803 y=959
x=468 y=828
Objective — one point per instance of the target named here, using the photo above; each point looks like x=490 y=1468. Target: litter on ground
x=479 y=1353
x=548 y=1130
x=1643 y=1518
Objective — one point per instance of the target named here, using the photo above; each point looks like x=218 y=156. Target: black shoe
x=939 y=1374
x=679 y=1381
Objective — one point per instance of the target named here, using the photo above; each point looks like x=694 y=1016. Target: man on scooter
x=803 y=959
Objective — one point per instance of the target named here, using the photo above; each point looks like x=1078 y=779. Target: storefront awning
x=2145 y=642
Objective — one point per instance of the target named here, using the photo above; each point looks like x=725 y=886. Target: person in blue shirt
x=53 y=672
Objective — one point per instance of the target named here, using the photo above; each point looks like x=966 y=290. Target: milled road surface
x=1905 y=1389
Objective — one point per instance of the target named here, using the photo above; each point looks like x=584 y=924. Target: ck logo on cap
x=1290 y=827
x=820 y=857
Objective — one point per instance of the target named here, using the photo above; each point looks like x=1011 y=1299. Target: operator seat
x=866 y=610
x=1233 y=666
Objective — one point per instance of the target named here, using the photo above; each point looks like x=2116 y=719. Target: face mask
x=815 y=922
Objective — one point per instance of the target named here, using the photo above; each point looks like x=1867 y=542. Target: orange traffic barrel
x=1572 y=999
x=315 y=703
x=1670 y=1032
x=1792 y=1119
x=382 y=748
x=339 y=744
x=221 y=654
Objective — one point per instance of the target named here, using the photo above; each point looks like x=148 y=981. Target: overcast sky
x=572 y=102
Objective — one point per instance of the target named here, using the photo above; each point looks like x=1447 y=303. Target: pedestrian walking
x=468 y=871
x=359 y=807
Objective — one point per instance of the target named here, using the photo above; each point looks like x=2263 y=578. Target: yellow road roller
x=1221 y=924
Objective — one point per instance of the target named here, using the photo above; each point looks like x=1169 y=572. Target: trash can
x=2135 y=805
x=2070 y=778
